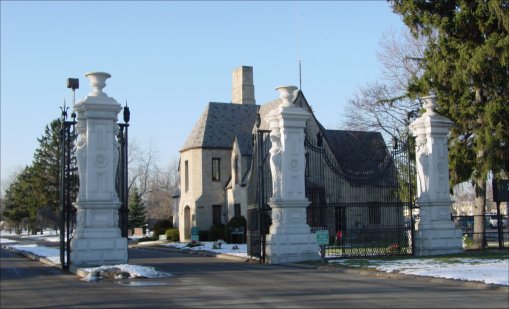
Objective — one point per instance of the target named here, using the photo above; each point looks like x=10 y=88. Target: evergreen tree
x=466 y=65
x=38 y=186
x=24 y=197
x=47 y=163
x=137 y=216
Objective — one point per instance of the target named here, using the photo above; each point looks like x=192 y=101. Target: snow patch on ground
x=134 y=271
x=241 y=250
x=491 y=271
x=51 y=254
x=6 y=241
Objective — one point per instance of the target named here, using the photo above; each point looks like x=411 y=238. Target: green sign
x=195 y=234
x=195 y=231
x=322 y=237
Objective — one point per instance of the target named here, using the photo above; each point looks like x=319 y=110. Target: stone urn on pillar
x=435 y=232
x=97 y=239
x=290 y=238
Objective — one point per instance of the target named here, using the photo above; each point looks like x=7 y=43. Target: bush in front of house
x=146 y=238
x=172 y=234
x=161 y=226
x=203 y=235
x=217 y=232
x=235 y=222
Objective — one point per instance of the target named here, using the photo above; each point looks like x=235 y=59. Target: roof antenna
x=298 y=48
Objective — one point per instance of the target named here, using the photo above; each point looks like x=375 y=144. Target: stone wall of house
x=188 y=197
x=213 y=192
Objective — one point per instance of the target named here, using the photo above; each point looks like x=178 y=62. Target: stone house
x=216 y=159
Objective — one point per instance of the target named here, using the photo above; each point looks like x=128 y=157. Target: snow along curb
x=205 y=253
x=400 y=276
x=73 y=269
x=31 y=256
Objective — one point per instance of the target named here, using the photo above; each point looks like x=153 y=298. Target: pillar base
x=98 y=252
x=290 y=239
x=436 y=242
x=436 y=234
x=97 y=240
x=291 y=248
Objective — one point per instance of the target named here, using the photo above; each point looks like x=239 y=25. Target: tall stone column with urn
x=435 y=232
x=289 y=239
x=97 y=239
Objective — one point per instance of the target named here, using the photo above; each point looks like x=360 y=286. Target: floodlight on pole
x=73 y=83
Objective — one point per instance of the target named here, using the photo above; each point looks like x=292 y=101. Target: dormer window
x=216 y=164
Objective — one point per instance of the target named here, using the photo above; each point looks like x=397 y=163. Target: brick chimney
x=243 y=88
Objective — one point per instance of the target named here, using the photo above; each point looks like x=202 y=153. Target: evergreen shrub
x=235 y=222
x=217 y=231
x=203 y=235
x=172 y=234
x=161 y=226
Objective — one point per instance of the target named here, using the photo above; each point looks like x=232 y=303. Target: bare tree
x=385 y=105
x=155 y=184
x=374 y=109
x=161 y=187
x=141 y=162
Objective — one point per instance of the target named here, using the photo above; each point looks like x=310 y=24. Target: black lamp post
x=123 y=190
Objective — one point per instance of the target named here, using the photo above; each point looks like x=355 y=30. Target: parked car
x=493 y=221
x=466 y=223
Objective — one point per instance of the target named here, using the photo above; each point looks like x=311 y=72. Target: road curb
x=81 y=272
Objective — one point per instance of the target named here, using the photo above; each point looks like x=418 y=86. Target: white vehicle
x=493 y=221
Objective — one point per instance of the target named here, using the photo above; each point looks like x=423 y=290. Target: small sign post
x=500 y=194
x=195 y=234
x=322 y=238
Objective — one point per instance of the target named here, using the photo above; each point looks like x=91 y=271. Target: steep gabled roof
x=357 y=150
x=219 y=123
x=245 y=142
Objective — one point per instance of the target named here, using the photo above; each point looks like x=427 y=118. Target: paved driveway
x=199 y=281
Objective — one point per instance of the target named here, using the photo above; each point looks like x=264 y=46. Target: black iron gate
x=360 y=189
x=363 y=194
x=68 y=185
x=258 y=214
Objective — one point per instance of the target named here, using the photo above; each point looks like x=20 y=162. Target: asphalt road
x=199 y=281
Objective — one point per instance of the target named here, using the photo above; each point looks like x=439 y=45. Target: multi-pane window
x=236 y=210
x=216 y=164
x=186 y=175
x=216 y=214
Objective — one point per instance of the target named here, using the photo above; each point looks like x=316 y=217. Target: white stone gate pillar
x=97 y=239
x=289 y=239
x=435 y=232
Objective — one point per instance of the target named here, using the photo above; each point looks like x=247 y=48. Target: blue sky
x=169 y=58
